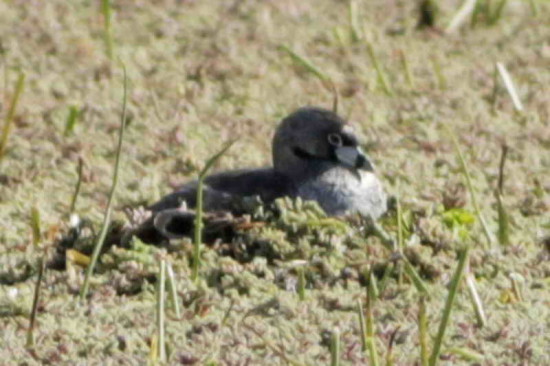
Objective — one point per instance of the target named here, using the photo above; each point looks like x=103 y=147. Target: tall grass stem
x=371 y=336
x=108 y=211
x=453 y=290
x=35 y=301
x=423 y=332
x=466 y=172
x=79 y=171
x=197 y=239
x=335 y=348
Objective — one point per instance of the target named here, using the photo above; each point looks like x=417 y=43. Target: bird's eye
x=335 y=139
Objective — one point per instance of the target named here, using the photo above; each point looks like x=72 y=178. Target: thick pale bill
x=353 y=157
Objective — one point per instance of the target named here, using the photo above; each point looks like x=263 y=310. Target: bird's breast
x=341 y=192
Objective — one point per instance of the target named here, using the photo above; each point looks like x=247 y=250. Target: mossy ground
x=205 y=72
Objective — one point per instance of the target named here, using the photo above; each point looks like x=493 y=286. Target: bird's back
x=222 y=191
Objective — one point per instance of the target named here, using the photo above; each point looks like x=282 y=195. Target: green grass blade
x=414 y=277
x=503 y=220
x=427 y=14
x=19 y=86
x=362 y=325
x=407 y=266
x=469 y=184
x=79 y=171
x=305 y=63
x=439 y=75
x=423 y=332
x=310 y=67
x=383 y=281
x=534 y=8
x=391 y=342
x=199 y=210
x=72 y=119
x=455 y=282
x=108 y=211
x=400 y=237
x=371 y=336
x=301 y=283
x=161 y=294
x=35 y=225
x=335 y=348
x=497 y=13
x=466 y=354
x=355 y=30
x=36 y=299
x=407 y=70
x=381 y=75
x=107 y=30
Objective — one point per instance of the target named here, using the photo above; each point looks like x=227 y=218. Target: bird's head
x=314 y=138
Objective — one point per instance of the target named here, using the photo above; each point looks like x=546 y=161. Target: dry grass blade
x=517 y=283
x=172 y=288
x=453 y=290
x=476 y=300
x=461 y=15
x=199 y=210
x=108 y=211
x=509 y=84
x=36 y=299
x=11 y=114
